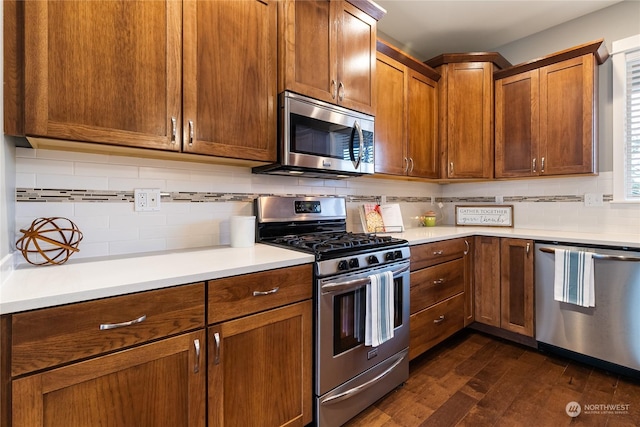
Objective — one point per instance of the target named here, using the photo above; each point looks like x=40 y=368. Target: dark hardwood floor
x=477 y=380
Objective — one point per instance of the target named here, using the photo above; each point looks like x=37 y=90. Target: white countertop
x=433 y=234
x=31 y=287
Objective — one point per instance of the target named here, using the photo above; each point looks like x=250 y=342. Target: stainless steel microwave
x=322 y=140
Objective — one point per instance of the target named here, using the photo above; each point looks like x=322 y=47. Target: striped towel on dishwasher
x=574 y=282
x=379 y=314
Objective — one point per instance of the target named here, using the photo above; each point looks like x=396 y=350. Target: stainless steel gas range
x=348 y=375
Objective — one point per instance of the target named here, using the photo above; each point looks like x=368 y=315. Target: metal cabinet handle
x=191 y=132
x=451 y=168
x=411 y=160
x=105 y=326
x=333 y=89
x=438 y=252
x=468 y=248
x=269 y=292
x=406 y=167
x=534 y=165
x=439 y=319
x=341 y=92
x=438 y=281
x=216 y=358
x=528 y=248
x=196 y=367
x=542 y=165
x=174 y=130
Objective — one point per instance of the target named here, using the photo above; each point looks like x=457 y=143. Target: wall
x=103 y=208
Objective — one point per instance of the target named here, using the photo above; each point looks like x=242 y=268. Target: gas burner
x=326 y=242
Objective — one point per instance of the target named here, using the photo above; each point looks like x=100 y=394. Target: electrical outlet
x=146 y=199
x=593 y=199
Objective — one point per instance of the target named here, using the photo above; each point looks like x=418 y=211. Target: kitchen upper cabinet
x=134 y=360
x=230 y=79
x=466 y=113
x=105 y=72
x=546 y=114
x=196 y=77
x=504 y=285
x=327 y=51
x=260 y=348
x=406 y=115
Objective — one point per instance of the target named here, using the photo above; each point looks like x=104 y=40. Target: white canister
x=243 y=231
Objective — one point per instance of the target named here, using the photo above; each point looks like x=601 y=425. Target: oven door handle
x=359 y=389
x=355 y=283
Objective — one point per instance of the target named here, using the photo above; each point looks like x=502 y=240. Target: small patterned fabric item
x=379 y=312
x=574 y=281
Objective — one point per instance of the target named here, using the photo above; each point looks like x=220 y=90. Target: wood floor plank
x=476 y=380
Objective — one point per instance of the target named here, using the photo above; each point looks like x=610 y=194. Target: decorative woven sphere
x=49 y=241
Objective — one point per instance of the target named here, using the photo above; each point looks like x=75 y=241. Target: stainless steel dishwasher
x=608 y=332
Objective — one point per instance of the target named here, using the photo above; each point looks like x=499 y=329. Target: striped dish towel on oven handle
x=379 y=313
x=574 y=281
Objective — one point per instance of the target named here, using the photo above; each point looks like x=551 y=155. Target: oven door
x=321 y=136
x=340 y=350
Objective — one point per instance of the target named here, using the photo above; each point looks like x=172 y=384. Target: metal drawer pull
x=174 y=130
x=528 y=248
x=534 y=165
x=340 y=92
x=333 y=89
x=468 y=248
x=601 y=256
x=271 y=291
x=196 y=367
x=542 y=166
x=439 y=319
x=440 y=252
x=216 y=338
x=438 y=282
x=105 y=326
x=191 y=132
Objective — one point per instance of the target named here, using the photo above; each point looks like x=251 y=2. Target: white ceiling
x=426 y=28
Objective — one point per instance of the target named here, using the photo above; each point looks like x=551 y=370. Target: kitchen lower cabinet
x=545 y=112
x=441 y=292
x=131 y=360
x=260 y=348
x=504 y=284
x=161 y=384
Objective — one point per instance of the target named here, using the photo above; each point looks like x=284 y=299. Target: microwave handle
x=356 y=128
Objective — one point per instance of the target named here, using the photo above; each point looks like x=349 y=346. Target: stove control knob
x=389 y=256
x=354 y=263
x=397 y=254
x=373 y=259
x=342 y=265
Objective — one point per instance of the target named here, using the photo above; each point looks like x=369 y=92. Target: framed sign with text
x=487 y=215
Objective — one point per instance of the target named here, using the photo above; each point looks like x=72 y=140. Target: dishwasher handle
x=600 y=256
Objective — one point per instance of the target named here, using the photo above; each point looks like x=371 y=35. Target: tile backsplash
x=96 y=192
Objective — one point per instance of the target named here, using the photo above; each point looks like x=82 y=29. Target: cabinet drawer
x=238 y=296
x=430 y=254
x=53 y=336
x=432 y=325
x=434 y=284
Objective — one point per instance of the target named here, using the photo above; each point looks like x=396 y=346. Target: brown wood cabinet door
x=468 y=129
x=517 y=125
x=422 y=126
x=517 y=285
x=390 y=137
x=356 y=57
x=155 y=385
x=566 y=116
x=230 y=95
x=487 y=280
x=308 y=49
x=104 y=71
x=261 y=364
